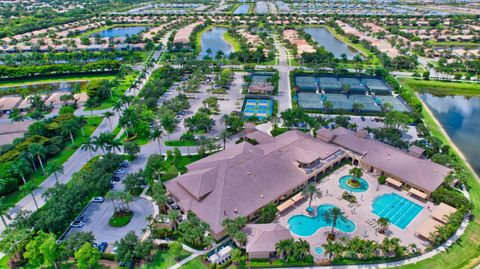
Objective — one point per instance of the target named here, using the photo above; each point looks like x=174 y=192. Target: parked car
x=175 y=206
x=102 y=246
x=82 y=219
x=124 y=164
x=77 y=224
x=119 y=171
x=362 y=118
x=98 y=199
x=115 y=178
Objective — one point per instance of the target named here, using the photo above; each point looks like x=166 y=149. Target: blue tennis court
x=260 y=108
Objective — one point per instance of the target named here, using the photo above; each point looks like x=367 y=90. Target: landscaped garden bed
x=120 y=218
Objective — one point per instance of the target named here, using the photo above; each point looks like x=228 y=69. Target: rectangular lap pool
x=398 y=210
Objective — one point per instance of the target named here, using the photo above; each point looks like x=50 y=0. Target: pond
x=53 y=86
x=120 y=31
x=213 y=40
x=324 y=38
x=242 y=9
x=460 y=117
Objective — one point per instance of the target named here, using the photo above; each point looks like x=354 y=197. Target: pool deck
x=332 y=191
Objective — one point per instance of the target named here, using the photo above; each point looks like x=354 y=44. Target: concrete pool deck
x=331 y=191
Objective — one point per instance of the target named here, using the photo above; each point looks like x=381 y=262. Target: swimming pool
x=302 y=225
x=343 y=181
x=398 y=210
x=319 y=250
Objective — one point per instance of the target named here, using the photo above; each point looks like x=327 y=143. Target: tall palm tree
x=26 y=155
x=30 y=188
x=156 y=134
x=21 y=168
x=224 y=137
x=82 y=122
x=39 y=151
x=69 y=128
x=311 y=191
x=333 y=215
x=3 y=210
x=117 y=107
x=108 y=115
x=112 y=196
x=54 y=168
x=89 y=145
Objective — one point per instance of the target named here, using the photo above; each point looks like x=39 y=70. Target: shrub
x=382 y=179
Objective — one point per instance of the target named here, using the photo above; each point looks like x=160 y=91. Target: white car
x=98 y=199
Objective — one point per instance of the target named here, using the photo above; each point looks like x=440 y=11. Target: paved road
x=284 y=91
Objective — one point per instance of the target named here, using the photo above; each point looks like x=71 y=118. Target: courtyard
x=359 y=213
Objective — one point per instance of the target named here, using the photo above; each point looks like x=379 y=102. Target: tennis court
x=376 y=85
x=329 y=84
x=261 y=78
x=355 y=84
x=396 y=103
x=306 y=83
x=367 y=102
x=309 y=100
x=339 y=101
x=261 y=108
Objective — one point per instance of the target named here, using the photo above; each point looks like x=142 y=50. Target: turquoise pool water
x=302 y=225
x=319 y=250
x=343 y=184
x=398 y=210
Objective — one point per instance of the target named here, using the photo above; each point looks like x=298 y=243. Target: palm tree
x=38 y=150
x=357 y=107
x=333 y=215
x=21 y=168
x=117 y=107
x=89 y=145
x=82 y=122
x=70 y=127
x=30 y=188
x=112 y=195
x=332 y=249
x=224 y=137
x=311 y=191
x=356 y=172
x=327 y=105
x=108 y=115
x=285 y=248
x=3 y=210
x=302 y=249
x=383 y=223
x=157 y=134
x=55 y=168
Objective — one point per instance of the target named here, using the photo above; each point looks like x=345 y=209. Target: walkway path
x=284 y=90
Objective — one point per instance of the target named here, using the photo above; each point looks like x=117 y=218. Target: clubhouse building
x=244 y=178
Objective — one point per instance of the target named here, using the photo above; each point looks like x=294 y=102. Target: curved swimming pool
x=343 y=182
x=302 y=225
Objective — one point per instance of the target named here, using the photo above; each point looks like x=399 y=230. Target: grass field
x=179 y=143
x=441 y=87
x=118 y=92
x=164 y=259
x=195 y=264
x=465 y=253
x=232 y=41
x=61 y=158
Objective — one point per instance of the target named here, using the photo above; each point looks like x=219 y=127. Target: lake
x=324 y=38
x=213 y=40
x=242 y=9
x=460 y=117
x=120 y=31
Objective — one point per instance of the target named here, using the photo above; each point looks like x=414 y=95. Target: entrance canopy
x=394 y=182
x=418 y=193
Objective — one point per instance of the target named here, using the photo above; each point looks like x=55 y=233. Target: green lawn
x=441 y=87
x=52 y=79
x=465 y=253
x=164 y=259
x=232 y=41
x=120 y=219
x=180 y=143
x=61 y=158
x=195 y=264
x=118 y=91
